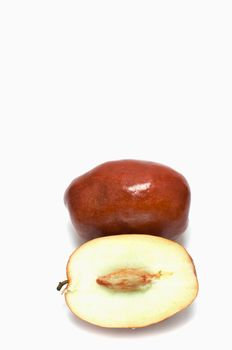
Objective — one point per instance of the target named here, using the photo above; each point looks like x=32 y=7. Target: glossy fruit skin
x=129 y=196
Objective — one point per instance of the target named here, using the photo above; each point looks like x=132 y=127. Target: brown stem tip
x=61 y=284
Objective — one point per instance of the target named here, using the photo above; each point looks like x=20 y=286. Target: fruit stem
x=61 y=284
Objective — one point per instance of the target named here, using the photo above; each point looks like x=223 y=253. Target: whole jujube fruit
x=129 y=196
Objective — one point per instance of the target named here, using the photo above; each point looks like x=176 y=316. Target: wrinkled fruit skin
x=129 y=196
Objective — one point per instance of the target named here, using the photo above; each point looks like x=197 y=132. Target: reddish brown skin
x=108 y=201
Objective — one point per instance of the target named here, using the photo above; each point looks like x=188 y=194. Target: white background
x=84 y=82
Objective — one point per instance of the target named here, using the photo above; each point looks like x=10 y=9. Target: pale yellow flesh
x=173 y=291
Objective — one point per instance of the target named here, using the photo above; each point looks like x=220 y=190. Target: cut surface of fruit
x=129 y=281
